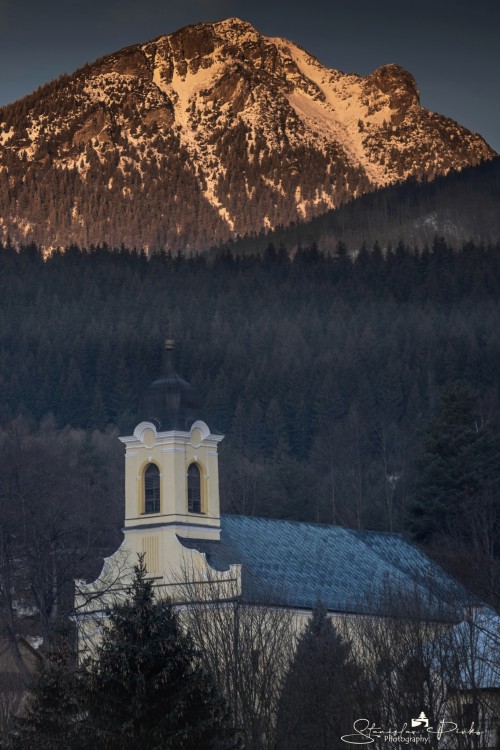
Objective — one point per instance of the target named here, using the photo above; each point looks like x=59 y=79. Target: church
x=173 y=519
x=245 y=581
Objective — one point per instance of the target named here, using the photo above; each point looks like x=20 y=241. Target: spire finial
x=169 y=347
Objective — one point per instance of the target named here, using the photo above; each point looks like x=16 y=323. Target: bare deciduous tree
x=432 y=655
x=247 y=647
x=51 y=484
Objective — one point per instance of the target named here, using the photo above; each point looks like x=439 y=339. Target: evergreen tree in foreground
x=319 y=698
x=51 y=719
x=457 y=487
x=145 y=689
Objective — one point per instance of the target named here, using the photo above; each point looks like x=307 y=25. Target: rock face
x=208 y=133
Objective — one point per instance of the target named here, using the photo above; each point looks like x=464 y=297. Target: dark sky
x=450 y=46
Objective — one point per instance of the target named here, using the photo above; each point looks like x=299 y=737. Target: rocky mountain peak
x=235 y=30
x=398 y=84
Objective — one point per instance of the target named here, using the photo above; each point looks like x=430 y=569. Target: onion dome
x=170 y=402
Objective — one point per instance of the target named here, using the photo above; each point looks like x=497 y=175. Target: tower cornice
x=171 y=436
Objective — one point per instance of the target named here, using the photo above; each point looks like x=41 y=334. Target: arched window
x=194 y=489
x=152 y=489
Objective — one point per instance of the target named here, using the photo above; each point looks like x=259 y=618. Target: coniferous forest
x=457 y=205
x=326 y=373
x=357 y=390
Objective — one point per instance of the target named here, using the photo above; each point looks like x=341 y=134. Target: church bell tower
x=171 y=471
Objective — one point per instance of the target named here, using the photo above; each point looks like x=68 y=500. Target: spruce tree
x=147 y=687
x=50 y=721
x=144 y=688
x=319 y=697
x=458 y=472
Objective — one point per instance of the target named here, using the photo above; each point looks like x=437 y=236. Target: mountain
x=207 y=134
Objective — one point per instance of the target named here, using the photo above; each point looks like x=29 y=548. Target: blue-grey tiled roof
x=297 y=564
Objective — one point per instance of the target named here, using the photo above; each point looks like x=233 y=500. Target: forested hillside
x=461 y=206
x=319 y=370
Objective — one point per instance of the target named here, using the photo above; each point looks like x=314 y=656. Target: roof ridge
x=315 y=525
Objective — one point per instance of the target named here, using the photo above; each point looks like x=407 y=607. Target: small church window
x=194 y=489
x=152 y=489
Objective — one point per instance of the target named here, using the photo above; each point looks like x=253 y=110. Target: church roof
x=170 y=403
x=297 y=564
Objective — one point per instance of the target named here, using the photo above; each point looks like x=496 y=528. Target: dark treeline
x=458 y=206
x=320 y=370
